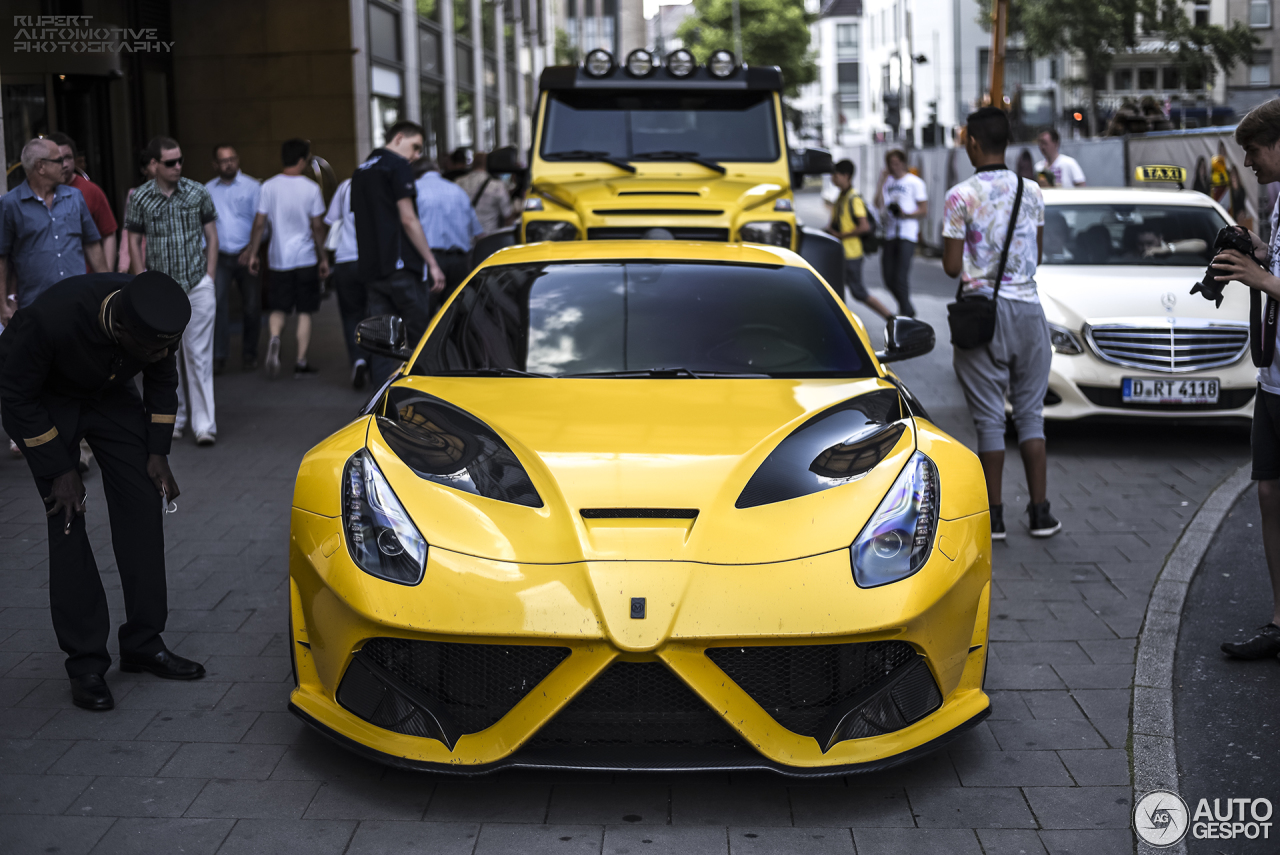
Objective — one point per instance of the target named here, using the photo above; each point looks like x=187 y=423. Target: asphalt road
x=1228 y=733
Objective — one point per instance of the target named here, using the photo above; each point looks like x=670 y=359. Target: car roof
x=645 y=250
x=1125 y=195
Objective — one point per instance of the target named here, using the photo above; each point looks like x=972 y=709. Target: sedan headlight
x=381 y=538
x=1064 y=340
x=772 y=232
x=540 y=230
x=898 y=539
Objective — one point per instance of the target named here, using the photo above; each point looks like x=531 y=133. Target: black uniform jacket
x=57 y=356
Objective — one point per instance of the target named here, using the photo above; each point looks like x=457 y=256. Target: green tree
x=774 y=32
x=1198 y=51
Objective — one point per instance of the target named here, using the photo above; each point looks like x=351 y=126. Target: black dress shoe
x=90 y=692
x=1263 y=645
x=164 y=664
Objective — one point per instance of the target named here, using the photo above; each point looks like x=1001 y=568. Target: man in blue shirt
x=450 y=225
x=235 y=196
x=46 y=231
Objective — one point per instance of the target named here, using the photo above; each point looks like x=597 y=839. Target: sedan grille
x=636 y=704
x=474 y=685
x=1174 y=348
x=801 y=685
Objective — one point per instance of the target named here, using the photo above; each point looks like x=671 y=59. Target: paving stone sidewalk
x=220 y=766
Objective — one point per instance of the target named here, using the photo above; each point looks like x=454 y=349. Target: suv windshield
x=645 y=318
x=1169 y=236
x=731 y=125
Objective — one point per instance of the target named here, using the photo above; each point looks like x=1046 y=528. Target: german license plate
x=1147 y=390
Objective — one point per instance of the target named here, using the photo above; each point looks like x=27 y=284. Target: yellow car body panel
x=775 y=574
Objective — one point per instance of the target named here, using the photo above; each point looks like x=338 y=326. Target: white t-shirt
x=1269 y=377
x=1065 y=170
x=290 y=201
x=908 y=191
x=340 y=209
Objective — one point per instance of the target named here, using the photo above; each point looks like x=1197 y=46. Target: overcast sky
x=651 y=6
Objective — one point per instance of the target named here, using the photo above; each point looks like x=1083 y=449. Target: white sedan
x=1129 y=339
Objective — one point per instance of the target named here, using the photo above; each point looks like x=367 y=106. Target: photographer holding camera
x=1259 y=135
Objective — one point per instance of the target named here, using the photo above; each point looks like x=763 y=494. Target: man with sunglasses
x=67 y=368
x=46 y=230
x=176 y=215
x=99 y=207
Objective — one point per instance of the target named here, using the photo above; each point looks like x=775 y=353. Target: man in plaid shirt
x=171 y=212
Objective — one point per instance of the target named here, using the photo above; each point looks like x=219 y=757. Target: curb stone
x=1155 y=759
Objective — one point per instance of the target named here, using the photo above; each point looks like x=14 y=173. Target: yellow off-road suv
x=664 y=149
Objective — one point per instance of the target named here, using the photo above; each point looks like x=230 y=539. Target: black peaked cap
x=155 y=306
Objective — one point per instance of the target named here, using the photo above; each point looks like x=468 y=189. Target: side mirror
x=384 y=335
x=504 y=161
x=812 y=161
x=905 y=338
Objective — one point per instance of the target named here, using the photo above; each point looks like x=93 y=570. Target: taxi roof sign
x=1172 y=174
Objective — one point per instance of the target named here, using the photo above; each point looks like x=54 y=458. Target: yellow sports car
x=641 y=505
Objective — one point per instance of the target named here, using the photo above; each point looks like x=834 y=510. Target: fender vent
x=639 y=513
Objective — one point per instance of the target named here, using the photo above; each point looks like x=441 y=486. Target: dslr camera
x=1229 y=237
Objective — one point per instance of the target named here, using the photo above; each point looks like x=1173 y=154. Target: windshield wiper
x=691 y=156
x=489 y=372
x=670 y=373
x=596 y=156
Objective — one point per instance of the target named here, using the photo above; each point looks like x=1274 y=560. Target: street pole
x=999 y=22
x=737 y=33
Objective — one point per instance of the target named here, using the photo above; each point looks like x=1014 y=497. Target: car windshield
x=645 y=318
x=1164 y=235
x=728 y=125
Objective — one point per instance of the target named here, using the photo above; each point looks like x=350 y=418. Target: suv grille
x=1175 y=348
x=475 y=684
x=799 y=685
x=633 y=704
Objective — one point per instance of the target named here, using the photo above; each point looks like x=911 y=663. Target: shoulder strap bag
x=973 y=319
x=483 y=186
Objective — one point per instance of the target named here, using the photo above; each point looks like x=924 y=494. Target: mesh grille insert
x=634 y=704
x=476 y=684
x=799 y=685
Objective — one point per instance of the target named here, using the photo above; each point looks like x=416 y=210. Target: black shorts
x=1266 y=436
x=298 y=288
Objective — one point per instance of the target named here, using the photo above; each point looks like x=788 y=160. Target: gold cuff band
x=33 y=441
x=158 y=419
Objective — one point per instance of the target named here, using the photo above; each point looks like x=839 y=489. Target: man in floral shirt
x=1015 y=363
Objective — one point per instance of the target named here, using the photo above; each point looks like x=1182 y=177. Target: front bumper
x=1083 y=386
x=557 y=717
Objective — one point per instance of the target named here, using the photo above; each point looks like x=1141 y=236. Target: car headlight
x=540 y=230
x=381 y=538
x=1064 y=340
x=898 y=538
x=772 y=232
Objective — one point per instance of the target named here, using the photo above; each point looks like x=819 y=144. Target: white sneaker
x=205 y=439
x=273 y=357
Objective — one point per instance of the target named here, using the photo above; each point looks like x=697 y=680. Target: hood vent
x=659 y=193
x=639 y=513
x=656 y=212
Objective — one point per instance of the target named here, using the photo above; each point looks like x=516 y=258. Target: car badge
x=1169 y=300
x=637 y=608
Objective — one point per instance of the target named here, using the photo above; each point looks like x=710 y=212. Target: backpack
x=871 y=240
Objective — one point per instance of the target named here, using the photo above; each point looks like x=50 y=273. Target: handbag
x=973 y=319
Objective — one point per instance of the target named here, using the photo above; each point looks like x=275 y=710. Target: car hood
x=651 y=443
x=1075 y=295
x=658 y=194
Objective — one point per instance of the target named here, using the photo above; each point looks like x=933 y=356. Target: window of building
x=1146 y=78
x=897 y=27
x=462 y=17
x=847 y=41
x=1259 y=13
x=429 y=9
x=1201 y=14
x=1172 y=79
x=386 y=102
x=465 y=127
x=1260 y=68
x=1122 y=79
x=384 y=33
x=1019 y=69
x=847 y=80
x=465 y=67
x=433 y=119
x=490 y=75
x=490 y=141
x=429 y=52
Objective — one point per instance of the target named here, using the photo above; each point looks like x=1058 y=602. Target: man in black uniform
x=67 y=364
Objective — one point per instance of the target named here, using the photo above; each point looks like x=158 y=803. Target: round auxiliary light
x=598 y=63
x=641 y=63
x=680 y=63
x=721 y=64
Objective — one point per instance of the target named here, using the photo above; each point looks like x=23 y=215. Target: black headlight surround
x=447 y=445
x=836 y=446
x=770 y=232
x=536 y=231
